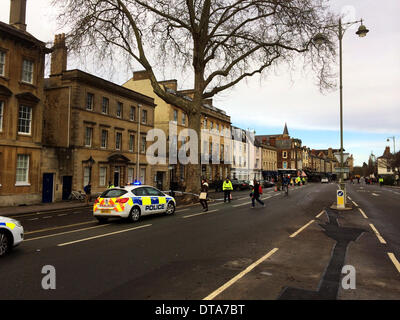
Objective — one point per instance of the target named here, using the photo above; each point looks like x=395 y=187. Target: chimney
x=58 y=56
x=17 y=14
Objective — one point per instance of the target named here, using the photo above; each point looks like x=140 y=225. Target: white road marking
x=33 y=219
x=363 y=213
x=301 y=229
x=376 y=195
x=381 y=240
x=394 y=260
x=66 y=232
x=60 y=227
x=240 y=275
x=320 y=214
x=102 y=235
x=355 y=203
x=198 y=214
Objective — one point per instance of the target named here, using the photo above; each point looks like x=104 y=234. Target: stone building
x=94 y=130
x=269 y=161
x=22 y=59
x=169 y=116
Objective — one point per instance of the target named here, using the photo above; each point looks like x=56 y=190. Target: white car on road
x=132 y=202
x=11 y=234
x=324 y=180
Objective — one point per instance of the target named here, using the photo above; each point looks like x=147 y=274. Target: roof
x=79 y=75
x=22 y=36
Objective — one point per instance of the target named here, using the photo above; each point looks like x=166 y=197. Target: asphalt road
x=231 y=252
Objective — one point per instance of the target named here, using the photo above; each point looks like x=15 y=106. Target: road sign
x=345 y=156
x=340 y=198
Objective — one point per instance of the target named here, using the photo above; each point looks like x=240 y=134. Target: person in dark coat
x=204 y=189
x=257 y=191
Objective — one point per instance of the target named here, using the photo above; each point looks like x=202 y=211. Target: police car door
x=158 y=200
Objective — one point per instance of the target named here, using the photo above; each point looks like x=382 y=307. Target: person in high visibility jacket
x=380 y=181
x=110 y=185
x=227 y=188
x=298 y=180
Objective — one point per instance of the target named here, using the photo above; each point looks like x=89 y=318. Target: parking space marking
x=240 y=275
x=363 y=213
x=66 y=232
x=198 y=214
x=102 y=235
x=394 y=260
x=381 y=240
x=301 y=229
x=355 y=203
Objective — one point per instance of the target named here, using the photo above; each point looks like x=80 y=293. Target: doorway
x=48 y=187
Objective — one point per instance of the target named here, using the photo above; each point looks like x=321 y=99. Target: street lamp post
x=320 y=39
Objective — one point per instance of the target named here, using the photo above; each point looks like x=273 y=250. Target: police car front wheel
x=134 y=215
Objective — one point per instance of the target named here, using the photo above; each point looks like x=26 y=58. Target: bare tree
x=219 y=42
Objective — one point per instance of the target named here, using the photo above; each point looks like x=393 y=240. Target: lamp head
x=362 y=31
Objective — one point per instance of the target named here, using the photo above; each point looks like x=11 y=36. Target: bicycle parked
x=77 y=195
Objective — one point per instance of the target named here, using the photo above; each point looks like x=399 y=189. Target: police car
x=11 y=234
x=132 y=202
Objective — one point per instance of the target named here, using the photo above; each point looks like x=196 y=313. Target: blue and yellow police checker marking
x=147 y=201
x=8 y=224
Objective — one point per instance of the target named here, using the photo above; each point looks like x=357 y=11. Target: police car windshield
x=113 y=193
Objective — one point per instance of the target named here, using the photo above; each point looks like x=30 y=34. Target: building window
x=118 y=141
x=24 y=120
x=104 y=139
x=1 y=115
x=102 y=176
x=27 y=71
x=22 y=171
x=131 y=142
x=205 y=123
x=132 y=114
x=88 y=136
x=86 y=176
x=119 y=109
x=2 y=63
x=284 y=165
x=175 y=115
x=143 y=145
x=183 y=119
x=143 y=175
x=104 y=108
x=89 y=101
x=144 y=116
x=284 y=154
x=130 y=175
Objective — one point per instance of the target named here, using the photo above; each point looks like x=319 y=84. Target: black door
x=67 y=187
x=116 y=178
x=47 y=194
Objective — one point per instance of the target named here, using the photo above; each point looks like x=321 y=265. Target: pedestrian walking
x=256 y=192
x=110 y=185
x=204 y=194
x=380 y=181
x=227 y=188
x=88 y=192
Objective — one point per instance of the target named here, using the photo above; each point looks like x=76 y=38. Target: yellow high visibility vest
x=227 y=185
